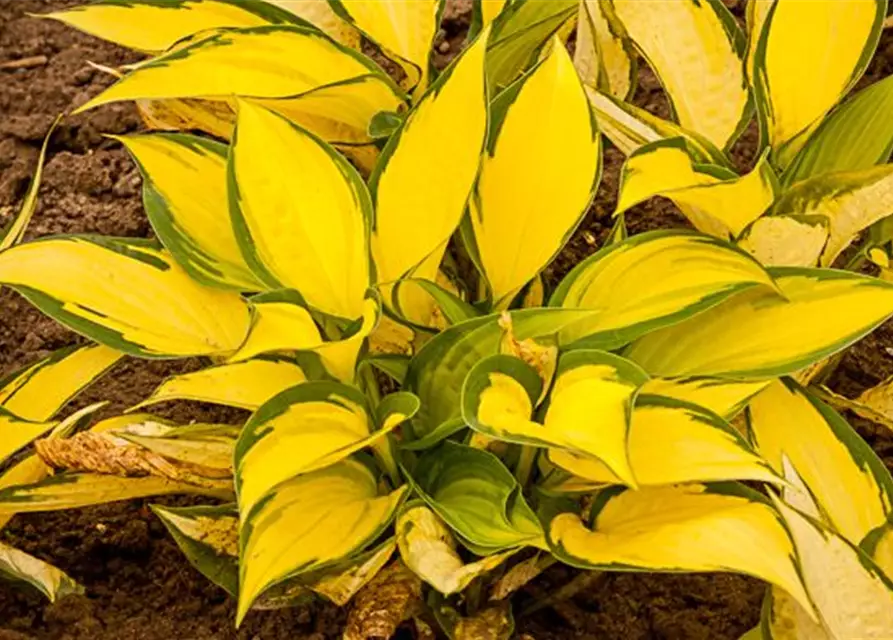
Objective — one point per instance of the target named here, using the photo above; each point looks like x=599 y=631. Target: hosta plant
x=423 y=437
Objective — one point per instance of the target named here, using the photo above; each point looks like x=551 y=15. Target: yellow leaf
x=788 y=620
x=244 y=384
x=723 y=397
x=155 y=26
x=425 y=174
x=17 y=433
x=320 y=14
x=595 y=390
x=117 y=423
x=31 y=469
x=879 y=399
x=880 y=545
x=278 y=326
x=403 y=29
x=339 y=113
x=630 y=127
x=547 y=147
x=696 y=49
x=499 y=396
x=307 y=233
x=308 y=522
x=674 y=275
x=756 y=13
x=284 y=326
x=184 y=191
x=715 y=199
x=846 y=479
x=785 y=241
x=305 y=428
x=853 y=597
x=127 y=295
x=16 y=230
x=211 y=116
x=490 y=9
x=38 y=392
x=76 y=490
x=19 y=566
x=520 y=36
x=705 y=449
x=207 y=446
x=850 y=201
x=833 y=41
x=760 y=334
x=603 y=56
x=248 y=63
x=340 y=356
x=686 y=528
x=341 y=587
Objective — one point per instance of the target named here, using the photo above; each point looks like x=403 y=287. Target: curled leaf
x=106 y=454
x=428 y=547
x=871 y=405
x=338 y=584
x=308 y=523
x=394 y=595
x=879 y=400
x=21 y=567
x=16 y=230
x=209 y=538
x=543 y=358
x=341 y=587
x=203 y=445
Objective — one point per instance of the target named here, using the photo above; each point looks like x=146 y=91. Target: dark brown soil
x=139 y=586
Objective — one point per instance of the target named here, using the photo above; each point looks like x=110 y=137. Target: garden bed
x=138 y=584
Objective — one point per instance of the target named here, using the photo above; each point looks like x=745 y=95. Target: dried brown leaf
x=879 y=400
x=394 y=595
x=494 y=623
x=106 y=454
x=817 y=371
x=875 y=404
x=542 y=358
x=520 y=575
x=423 y=630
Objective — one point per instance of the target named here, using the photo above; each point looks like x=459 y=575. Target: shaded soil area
x=138 y=585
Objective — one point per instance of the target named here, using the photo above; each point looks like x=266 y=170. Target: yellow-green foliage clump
x=302 y=229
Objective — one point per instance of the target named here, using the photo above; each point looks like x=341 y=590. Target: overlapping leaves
x=647 y=347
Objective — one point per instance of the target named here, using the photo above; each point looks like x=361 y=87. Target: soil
x=138 y=585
